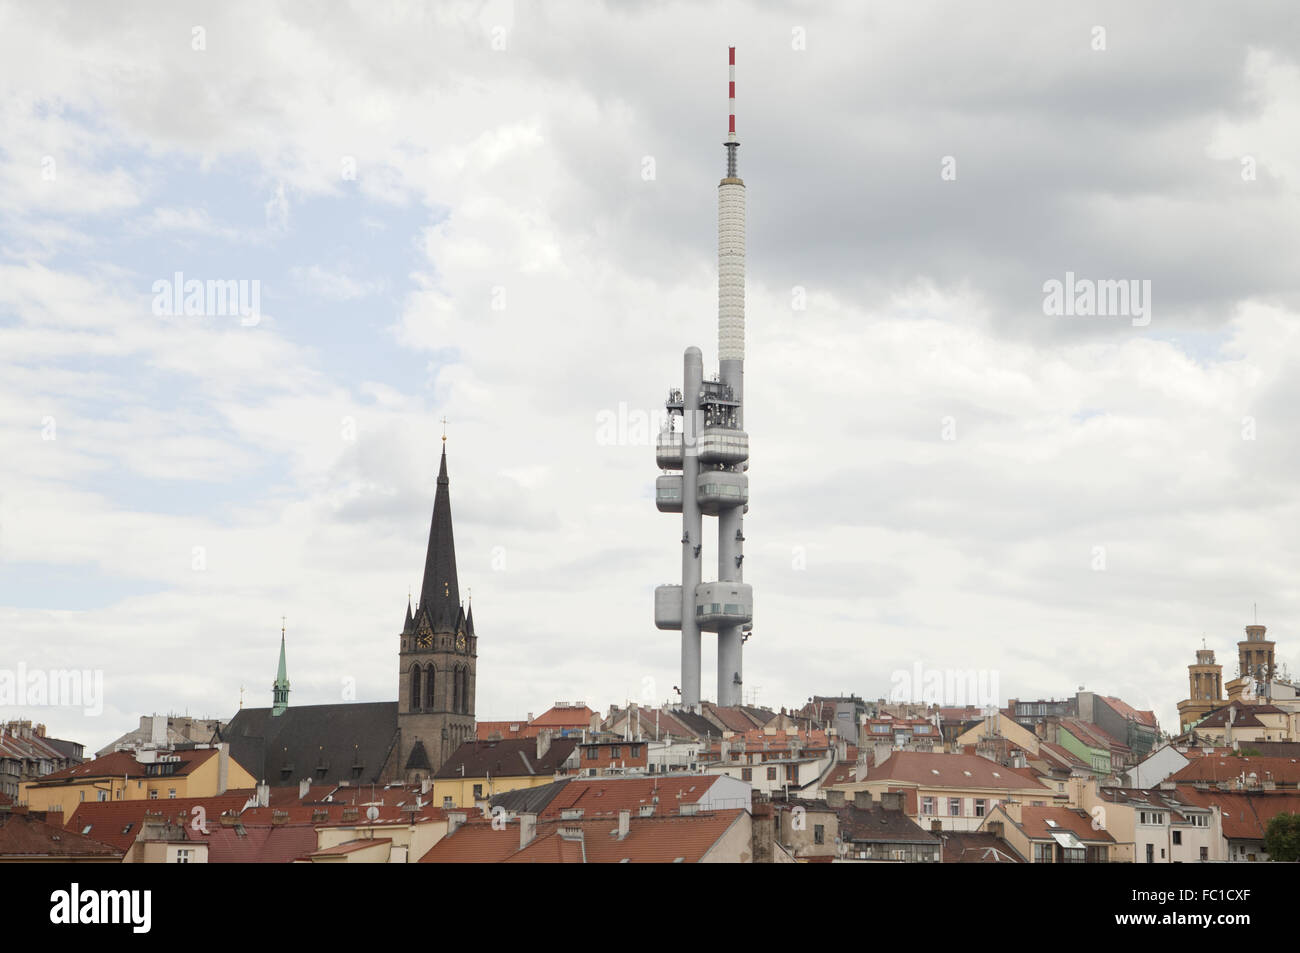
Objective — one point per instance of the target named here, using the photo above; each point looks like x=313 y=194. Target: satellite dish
x=372 y=813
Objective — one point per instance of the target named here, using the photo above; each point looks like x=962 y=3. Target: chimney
x=303 y=787
x=995 y=828
x=454 y=820
x=264 y=795
x=624 y=823
x=891 y=801
x=223 y=767
x=527 y=829
x=862 y=800
x=426 y=785
x=834 y=797
x=543 y=742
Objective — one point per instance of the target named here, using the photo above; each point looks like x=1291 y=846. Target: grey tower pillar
x=731 y=538
x=692 y=529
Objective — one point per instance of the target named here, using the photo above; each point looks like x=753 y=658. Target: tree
x=1282 y=838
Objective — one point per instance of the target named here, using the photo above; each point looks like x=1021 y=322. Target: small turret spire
x=280 y=690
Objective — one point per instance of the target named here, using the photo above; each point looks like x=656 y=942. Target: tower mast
x=712 y=453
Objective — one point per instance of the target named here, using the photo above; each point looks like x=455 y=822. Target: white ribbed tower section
x=731 y=370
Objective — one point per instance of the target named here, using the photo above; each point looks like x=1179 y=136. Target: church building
x=379 y=742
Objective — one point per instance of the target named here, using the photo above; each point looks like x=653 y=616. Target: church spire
x=280 y=690
x=440 y=593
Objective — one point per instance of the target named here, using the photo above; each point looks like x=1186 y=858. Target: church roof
x=440 y=592
x=351 y=741
x=508 y=758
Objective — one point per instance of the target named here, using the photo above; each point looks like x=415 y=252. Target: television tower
x=711 y=451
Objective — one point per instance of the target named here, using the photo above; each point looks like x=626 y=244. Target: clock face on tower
x=460 y=641
x=424 y=641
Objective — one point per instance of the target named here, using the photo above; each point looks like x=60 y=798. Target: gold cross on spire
x=444 y=429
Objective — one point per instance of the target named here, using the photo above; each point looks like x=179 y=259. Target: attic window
x=86 y=829
x=127 y=829
x=934 y=770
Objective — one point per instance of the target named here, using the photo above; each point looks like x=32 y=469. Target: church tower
x=438 y=658
x=1205 y=689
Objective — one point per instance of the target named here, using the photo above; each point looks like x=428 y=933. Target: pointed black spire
x=469 y=619
x=440 y=594
x=409 y=625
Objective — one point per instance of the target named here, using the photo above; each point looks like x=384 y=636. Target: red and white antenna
x=732 y=142
x=731 y=94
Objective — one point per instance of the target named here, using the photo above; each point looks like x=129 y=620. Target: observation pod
x=668 y=493
x=668 y=450
x=721 y=605
x=719 y=490
x=723 y=445
x=668 y=607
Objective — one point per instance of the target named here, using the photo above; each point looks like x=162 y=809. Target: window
x=478 y=792
x=981 y=807
x=184 y=855
x=771 y=774
x=153 y=794
x=615 y=752
x=103 y=796
x=1178 y=837
x=634 y=751
x=1042 y=853
x=819 y=834
x=954 y=807
x=171 y=793
x=746 y=774
x=927 y=805
x=1205 y=853
x=1074 y=855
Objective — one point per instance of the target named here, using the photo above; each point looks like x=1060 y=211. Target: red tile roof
x=262 y=844
x=352 y=846
x=123 y=764
x=1244 y=816
x=649 y=840
x=118 y=822
x=608 y=796
x=1213 y=769
x=970 y=847
x=928 y=769
x=340 y=814
x=563 y=718
x=23 y=836
x=733 y=719
x=506 y=729
x=1126 y=710
x=1093 y=736
x=1034 y=821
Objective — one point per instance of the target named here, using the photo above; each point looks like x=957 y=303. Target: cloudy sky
x=505 y=215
